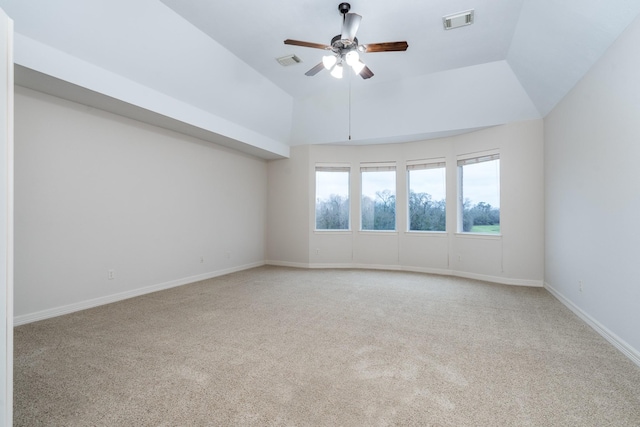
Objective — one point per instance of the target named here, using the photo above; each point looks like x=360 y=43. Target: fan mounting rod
x=344 y=8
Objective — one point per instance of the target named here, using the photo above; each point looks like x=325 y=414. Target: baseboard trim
x=500 y=280
x=356 y=266
x=288 y=264
x=615 y=340
x=108 y=299
x=438 y=271
x=426 y=270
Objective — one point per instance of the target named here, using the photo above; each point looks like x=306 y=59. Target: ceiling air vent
x=285 y=61
x=457 y=20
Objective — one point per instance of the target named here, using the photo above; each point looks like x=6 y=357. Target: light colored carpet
x=279 y=346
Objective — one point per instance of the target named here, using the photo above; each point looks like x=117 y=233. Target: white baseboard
x=438 y=271
x=632 y=353
x=288 y=264
x=83 y=305
x=108 y=299
x=319 y=265
x=499 y=279
x=427 y=270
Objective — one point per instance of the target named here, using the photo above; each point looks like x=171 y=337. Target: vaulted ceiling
x=209 y=69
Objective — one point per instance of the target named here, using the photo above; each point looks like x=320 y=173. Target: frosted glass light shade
x=352 y=57
x=337 y=71
x=357 y=66
x=329 y=61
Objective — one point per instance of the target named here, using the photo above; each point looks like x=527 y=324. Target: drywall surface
x=288 y=209
x=465 y=98
x=108 y=207
x=550 y=58
x=593 y=194
x=6 y=220
x=515 y=257
x=143 y=52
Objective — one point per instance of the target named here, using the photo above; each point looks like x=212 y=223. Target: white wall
x=516 y=257
x=48 y=70
x=465 y=98
x=6 y=220
x=592 y=147
x=145 y=42
x=288 y=210
x=96 y=191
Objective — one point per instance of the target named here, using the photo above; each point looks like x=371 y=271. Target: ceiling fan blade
x=366 y=73
x=350 y=26
x=315 y=70
x=307 y=44
x=387 y=47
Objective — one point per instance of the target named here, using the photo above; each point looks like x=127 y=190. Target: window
x=479 y=194
x=378 y=203
x=427 y=195
x=332 y=197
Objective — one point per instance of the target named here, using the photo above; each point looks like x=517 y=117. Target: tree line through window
x=378 y=197
x=478 y=196
x=427 y=196
x=332 y=198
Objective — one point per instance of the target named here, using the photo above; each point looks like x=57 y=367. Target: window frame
x=423 y=164
x=380 y=167
x=469 y=159
x=332 y=167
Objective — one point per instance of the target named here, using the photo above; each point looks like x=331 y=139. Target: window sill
x=337 y=232
x=418 y=233
x=478 y=236
x=378 y=232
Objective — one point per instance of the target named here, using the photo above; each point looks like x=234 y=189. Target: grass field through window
x=487 y=229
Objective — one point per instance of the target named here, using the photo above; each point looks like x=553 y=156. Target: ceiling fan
x=345 y=48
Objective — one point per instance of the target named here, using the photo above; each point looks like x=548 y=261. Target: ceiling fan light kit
x=337 y=71
x=345 y=48
x=357 y=67
x=329 y=61
x=351 y=57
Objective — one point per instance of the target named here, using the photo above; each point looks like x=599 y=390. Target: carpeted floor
x=288 y=347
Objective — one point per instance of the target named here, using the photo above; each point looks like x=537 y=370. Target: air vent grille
x=285 y=61
x=458 y=20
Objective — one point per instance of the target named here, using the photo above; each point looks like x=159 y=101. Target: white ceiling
x=516 y=62
x=255 y=32
x=551 y=43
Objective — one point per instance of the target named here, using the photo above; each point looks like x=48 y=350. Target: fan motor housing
x=337 y=43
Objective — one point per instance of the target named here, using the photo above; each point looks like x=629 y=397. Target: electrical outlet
x=317 y=251
x=111 y=274
x=580 y=285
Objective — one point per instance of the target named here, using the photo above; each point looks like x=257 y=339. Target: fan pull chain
x=349 y=106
